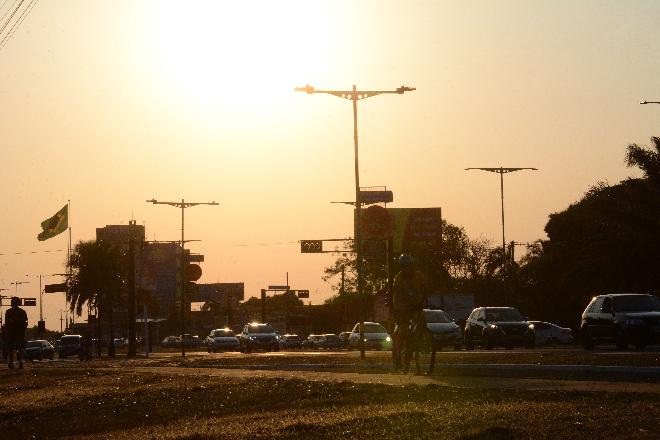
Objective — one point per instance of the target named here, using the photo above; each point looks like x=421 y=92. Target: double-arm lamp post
x=183 y=205
x=502 y=171
x=356 y=95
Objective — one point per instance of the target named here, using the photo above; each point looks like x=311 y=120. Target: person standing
x=16 y=322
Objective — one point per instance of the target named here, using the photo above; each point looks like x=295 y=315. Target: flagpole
x=68 y=255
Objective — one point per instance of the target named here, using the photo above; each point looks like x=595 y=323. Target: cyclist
x=408 y=299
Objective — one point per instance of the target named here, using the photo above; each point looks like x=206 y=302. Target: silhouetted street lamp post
x=183 y=205
x=502 y=171
x=355 y=95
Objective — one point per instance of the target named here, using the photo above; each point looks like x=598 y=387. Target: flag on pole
x=55 y=225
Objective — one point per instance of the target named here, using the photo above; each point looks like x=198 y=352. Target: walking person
x=16 y=322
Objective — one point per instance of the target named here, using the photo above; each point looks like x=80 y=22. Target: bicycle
x=410 y=344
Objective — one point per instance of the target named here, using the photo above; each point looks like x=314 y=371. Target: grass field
x=92 y=403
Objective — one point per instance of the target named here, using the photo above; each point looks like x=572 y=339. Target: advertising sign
x=414 y=230
x=217 y=292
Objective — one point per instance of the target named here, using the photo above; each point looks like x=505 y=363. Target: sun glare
x=239 y=54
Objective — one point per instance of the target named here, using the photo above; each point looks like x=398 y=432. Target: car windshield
x=374 y=328
x=437 y=316
x=33 y=344
x=503 y=314
x=636 y=303
x=261 y=328
x=223 y=333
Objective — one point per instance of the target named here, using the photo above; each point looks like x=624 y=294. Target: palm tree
x=645 y=159
x=96 y=280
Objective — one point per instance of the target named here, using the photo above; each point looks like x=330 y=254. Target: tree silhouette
x=96 y=279
x=645 y=159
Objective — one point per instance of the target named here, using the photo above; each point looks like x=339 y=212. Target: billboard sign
x=217 y=292
x=414 y=230
x=371 y=197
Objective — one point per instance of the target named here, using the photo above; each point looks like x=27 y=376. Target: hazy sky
x=110 y=103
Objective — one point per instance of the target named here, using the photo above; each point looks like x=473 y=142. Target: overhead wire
x=7 y=11
x=18 y=22
x=9 y=19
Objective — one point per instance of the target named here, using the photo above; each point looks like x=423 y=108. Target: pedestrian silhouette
x=16 y=322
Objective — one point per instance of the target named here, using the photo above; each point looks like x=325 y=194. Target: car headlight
x=252 y=338
x=531 y=327
x=493 y=327
x=634 y=322
x=388 y=339
x=365 y=339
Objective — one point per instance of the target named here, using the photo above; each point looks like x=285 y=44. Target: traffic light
x=41 y=326
x=311 y=246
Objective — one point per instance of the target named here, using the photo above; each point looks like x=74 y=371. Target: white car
x=443 y=329
x=221 y=339
x=550 y=334
x=375 y=337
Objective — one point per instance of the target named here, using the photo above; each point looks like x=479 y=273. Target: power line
x=2 y=29
x=31 y=252
x=18 y=22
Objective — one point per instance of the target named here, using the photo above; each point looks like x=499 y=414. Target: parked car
x=329 y=341
x=311 y=343
x=39 y=349
x=444 y=330
x=171 y=342
x=551 y=334
x=221 y=339
x=624 y=318
x=290 y=341
x=258 y=336
x=498 y=326
x=343 y=337
x=69 y=345
x=190 y=341
x=375 y=337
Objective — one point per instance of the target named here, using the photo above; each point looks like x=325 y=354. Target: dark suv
x=258 y=336
x=503 y=326
x=622 y=318
x=69 y=345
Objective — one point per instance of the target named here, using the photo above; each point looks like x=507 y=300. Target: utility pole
x=183 y=205
x=354 y=95
x=502 y=171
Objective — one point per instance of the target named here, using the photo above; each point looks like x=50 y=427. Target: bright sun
x=240 y=53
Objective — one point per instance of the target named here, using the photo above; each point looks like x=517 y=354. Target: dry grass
x=88 y=403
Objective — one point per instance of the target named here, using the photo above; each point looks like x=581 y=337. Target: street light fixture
x=502 y=171
x=356 y=95
x=183 y=205
x=650 y=102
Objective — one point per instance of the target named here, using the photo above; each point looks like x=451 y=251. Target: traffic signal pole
x=355 y=95
x=183 y=205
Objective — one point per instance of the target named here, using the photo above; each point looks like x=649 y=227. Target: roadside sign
x=193 y=272
x=195 y=258
x=53 y=288
x=29 y=301
x=374 y=250
x=303 y=293
x=278 y=287
x=371 y=197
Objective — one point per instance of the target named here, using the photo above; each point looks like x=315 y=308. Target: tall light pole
x=502 y=171
x=356 y=95
x=183 y=205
